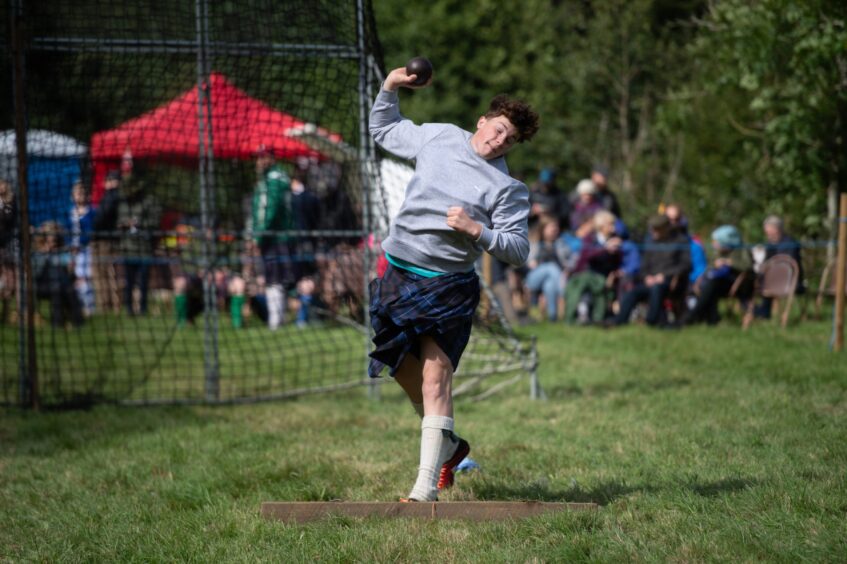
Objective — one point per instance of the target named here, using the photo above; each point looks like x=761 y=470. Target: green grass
x=703 y=445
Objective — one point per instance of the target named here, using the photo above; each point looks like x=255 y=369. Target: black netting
x=201 y=190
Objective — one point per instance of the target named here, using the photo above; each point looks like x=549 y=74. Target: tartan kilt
x=405 y=306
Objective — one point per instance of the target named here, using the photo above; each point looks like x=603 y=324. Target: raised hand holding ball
x=421 y=67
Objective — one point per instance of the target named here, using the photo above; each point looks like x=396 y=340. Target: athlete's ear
x=481 y=122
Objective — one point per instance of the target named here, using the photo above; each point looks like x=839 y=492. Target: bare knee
x=437 y=377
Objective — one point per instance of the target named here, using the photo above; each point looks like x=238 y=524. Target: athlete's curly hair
x=522 y=116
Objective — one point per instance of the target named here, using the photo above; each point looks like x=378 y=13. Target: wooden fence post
x=840 y=275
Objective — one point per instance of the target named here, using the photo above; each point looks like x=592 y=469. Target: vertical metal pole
x=841 y=275
x=29 y=369
x=205 y=168
x=366 y=160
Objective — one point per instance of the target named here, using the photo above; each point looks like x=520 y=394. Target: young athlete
x=460 y=202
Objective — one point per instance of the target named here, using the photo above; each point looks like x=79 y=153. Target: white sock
x=437 y=444
x=276 y=306
x=418 y=408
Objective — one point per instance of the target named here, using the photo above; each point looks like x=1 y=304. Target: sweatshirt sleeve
x=507 y=238
x=393 y=132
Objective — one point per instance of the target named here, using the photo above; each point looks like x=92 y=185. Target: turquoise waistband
x=400 y=263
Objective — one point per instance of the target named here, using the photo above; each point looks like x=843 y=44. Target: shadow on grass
x=608 y=388
x=727 y=485
x=601 y=494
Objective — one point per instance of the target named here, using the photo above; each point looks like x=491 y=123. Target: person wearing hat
x=731 y=261
x=665 y=263
x=271 y=215
x=584 y=207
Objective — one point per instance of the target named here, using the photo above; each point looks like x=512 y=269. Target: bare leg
x=438 y=443
x=437 y=385
x=410 y=378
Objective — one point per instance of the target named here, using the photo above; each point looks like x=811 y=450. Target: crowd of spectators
x=588 y=267
x=101 y=259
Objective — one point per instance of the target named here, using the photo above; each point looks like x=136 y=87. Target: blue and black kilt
x=405 y=306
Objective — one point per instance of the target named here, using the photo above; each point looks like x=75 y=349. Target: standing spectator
x=306 y=211
x=605 y=196
x=271 y=214
x=306 y=215
x=664 y=266
x=545 y=198
x=138 y=220
x=599 y=258
x=778 y=242
x=8 y=259
x=731 y=261
x=585 y=206
x=104 y=246
x=81 y=224
x=548 y=260
x=342 y=261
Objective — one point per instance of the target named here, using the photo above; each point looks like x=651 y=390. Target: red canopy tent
x=240 y=125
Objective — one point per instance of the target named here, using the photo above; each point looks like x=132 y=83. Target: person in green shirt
x=270 y=218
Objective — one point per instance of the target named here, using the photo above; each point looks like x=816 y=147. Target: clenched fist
x=462 y=222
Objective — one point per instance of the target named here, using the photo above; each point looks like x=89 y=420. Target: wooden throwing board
x=304 y=511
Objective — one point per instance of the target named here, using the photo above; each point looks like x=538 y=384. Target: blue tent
x=54 y=163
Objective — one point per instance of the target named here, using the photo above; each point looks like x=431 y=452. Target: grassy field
x=700 y=445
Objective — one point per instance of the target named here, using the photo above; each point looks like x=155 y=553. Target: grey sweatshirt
x=448 y=172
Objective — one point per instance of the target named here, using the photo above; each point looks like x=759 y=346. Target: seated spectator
x=606 y=198
x=777 y=242
x=730 y=262
x=599 y=258
x=546 y=199
x=548 y=260
x=699 y=261
x=676 y=218
x=627 y=275
x=53 y=278
x=665 y=263
x=583 y=208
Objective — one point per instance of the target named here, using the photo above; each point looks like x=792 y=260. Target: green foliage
x=774 y=81
x=733 y=109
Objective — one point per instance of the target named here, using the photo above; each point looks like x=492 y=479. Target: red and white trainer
x=446 y=477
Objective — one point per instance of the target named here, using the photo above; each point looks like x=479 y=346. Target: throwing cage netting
x=192 y=205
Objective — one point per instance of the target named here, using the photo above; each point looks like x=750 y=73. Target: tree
x=774 y=76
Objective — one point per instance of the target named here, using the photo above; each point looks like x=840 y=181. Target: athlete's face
x=494 y=137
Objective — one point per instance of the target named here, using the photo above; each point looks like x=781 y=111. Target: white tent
x=54 y=161
x=39 y=144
